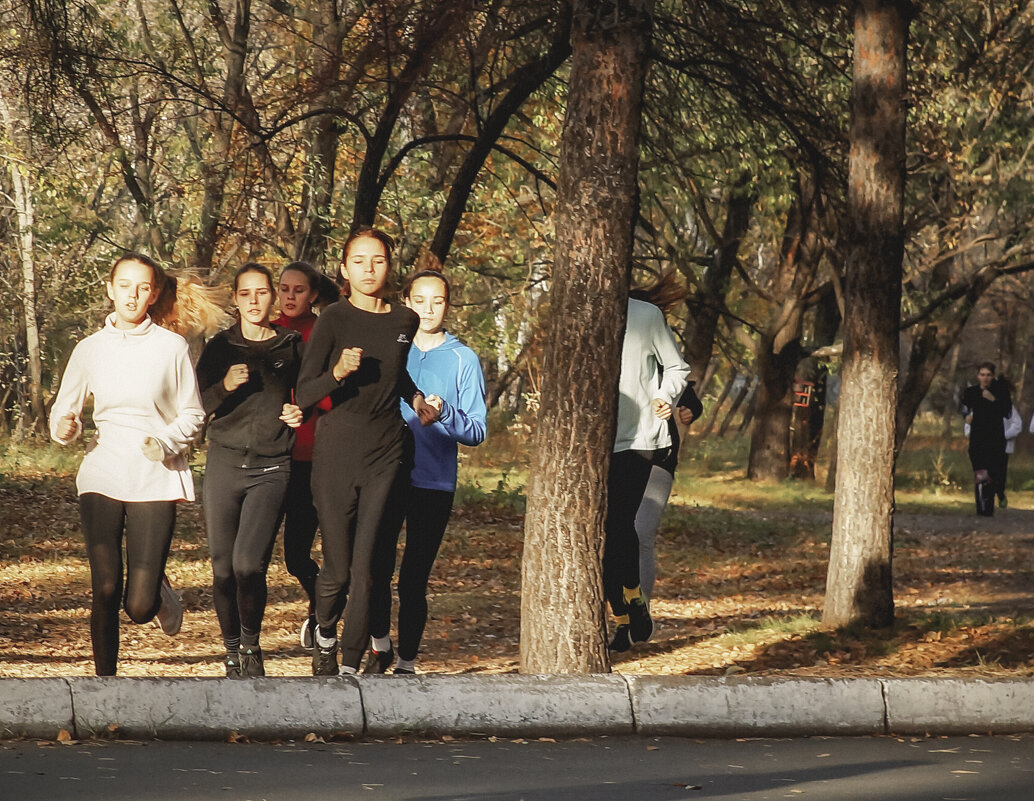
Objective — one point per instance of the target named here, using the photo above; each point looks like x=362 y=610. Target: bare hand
x=988 y=396
x=685 y=415
x=236 y=376
x=968 y=419
x=435 y=401
x=661 y=408
x=426 y=413
x=291 y=415
x=153 y=450
x=348 y=362
x=66 y=427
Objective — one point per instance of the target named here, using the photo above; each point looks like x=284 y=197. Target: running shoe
x=170 y=613
x=621 y=641
x=305 y=637
x=401 y=671
x=640 y=624
x=251 y=663
x=324 y=660
x=378 y=661
x=233 y=666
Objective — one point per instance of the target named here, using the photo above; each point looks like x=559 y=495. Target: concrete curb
x=531 y=706
x=511 y=706
x=207 y=709
x=35 y=707
x=746 y=707
x=959 y=706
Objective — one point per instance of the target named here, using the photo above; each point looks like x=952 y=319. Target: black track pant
x=242 y=507
x=427 y=514
x=147 y=528
x=300 y=524
x=352 y=498
x=992 y=458
x=626 y=484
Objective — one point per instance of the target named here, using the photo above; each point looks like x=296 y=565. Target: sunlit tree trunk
x=562 y=628
x=858 y=584
x=25 y=217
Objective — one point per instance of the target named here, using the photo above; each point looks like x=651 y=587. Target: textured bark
x=562 y=626
x=769 y=458
x=858 y=585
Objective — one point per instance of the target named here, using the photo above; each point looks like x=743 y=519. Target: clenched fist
x=348 y=362
x=236 y=376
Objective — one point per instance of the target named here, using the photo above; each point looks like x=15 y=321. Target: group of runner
x=305 y=427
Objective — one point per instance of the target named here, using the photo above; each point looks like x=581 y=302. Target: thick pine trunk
x=562 y=627
x=858 y=585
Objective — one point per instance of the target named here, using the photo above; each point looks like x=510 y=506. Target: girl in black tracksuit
x=246 y=375
x=356 y=356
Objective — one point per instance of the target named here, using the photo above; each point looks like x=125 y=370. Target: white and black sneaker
x=305 y=636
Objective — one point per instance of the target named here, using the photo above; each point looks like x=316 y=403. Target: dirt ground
x=738 y=592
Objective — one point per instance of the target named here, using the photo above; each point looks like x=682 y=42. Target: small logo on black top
x=402 y=338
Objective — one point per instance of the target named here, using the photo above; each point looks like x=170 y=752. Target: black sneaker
x=233 y=666
x=640 y=624
x=401 y=671
x=379 y=661
x=621 y=641
x=251 y=663
x=324 y=660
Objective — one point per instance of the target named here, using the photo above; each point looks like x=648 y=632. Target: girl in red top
x=302 y=288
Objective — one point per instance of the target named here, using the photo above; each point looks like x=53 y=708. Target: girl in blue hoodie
x=450 y=373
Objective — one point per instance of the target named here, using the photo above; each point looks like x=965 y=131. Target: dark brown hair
x=664 y=291
x=254 y=267
x=326 y=290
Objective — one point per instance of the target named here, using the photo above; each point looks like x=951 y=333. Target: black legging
x=147 y=526
x=626 y=484
x=242 y=506
x=352 y=498
x=300 y=524
x=426 y=514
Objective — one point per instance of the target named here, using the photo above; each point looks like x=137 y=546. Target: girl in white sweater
x=147 y=411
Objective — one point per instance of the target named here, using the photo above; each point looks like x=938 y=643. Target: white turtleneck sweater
x=143 y=385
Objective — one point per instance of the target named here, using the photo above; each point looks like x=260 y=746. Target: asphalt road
x=601 y=769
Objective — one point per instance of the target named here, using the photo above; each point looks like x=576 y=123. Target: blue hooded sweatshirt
x=452 y=372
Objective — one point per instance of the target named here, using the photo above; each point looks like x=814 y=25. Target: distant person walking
x=985 y=406
x=301 y=290
x=147 y=412
x=653 y=377
x=247 y=374
x=356 y=356
x=443 y=366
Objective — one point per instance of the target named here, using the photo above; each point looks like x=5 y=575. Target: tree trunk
x=562 y=624
x=770 y=440
x=858 y=584
x=25 y=221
